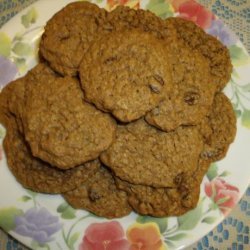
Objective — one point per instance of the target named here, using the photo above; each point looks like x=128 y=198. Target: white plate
x=46 y=221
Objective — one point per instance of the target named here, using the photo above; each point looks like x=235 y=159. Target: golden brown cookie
x=210 y=47
x=192 y=96
x=218 y=129
x=125 y=18
x=11 y=102
x=100 y=196
x=126 y=73
x=60 y=127
x=142 y=154
x=159 y=202
x=37 y=175
x=68 y=35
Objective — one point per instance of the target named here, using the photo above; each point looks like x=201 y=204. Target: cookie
x=125 y=18
x=210 y=47
x=126 y=73
x=218 y=129
x=68 y=35
x=11 y=102
x=100 y=196
x=37 y=175
x=160 y=202
x=192 y=95
x=60 y=127
x=142 y=154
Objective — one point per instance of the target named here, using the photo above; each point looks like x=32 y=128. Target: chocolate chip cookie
x=126 y=73
x=100 y=196
x=142 y=154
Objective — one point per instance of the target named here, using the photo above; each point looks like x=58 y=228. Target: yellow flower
x=112 y=4
x=145 y=237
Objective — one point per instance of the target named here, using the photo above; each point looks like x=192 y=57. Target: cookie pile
x=123 y=112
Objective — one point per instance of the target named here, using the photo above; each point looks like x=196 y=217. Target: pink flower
x=104 y=236
x=193 y=11
x=223 y=194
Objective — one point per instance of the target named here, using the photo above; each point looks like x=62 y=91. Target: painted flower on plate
x=191 y=10
x=104 y=236
x=8 y=71
x=145 y=236
x=38 y=224
x=112 y=4
x=222 y=32
x=224 y=195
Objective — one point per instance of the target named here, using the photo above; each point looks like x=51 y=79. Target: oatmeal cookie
x=100 y=196
x=142 y=154
x=68 y=35
x=160 y=202
x=192 y=96
x=210 y=47
x=126 y=73
x=125 y=18
x=37 y=175
x=218 y=129
x=60 y=127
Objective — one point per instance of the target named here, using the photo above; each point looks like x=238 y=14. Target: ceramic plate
x=46 y=222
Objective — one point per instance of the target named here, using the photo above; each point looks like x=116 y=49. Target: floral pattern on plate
x=42 y=222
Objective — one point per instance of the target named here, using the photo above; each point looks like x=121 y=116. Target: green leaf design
x=31 y=193
x=66 y=211
x=38 y=246
x=209 y=220
x=25 y=198
x=21 y=64
x=177 y=237
x=212 y=171
x=69 y=213
x=62 y=207
x=7 y=217
x=238 y=55
x=5 y=44
x=161 y=8
x=246 y=87
x=222 y=200
x=189 y=220
x=2 y=132
x=169 y=244
x=29 y=18
x=22 y=49
x=237 y=113
x=161 y=222
x=235 y=74
x=72 y=240
x=224 y=174
x=245 y=118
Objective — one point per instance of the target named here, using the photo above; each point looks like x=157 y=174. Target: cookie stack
x=124 y=112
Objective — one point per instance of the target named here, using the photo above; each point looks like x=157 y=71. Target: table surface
x=233 y=232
